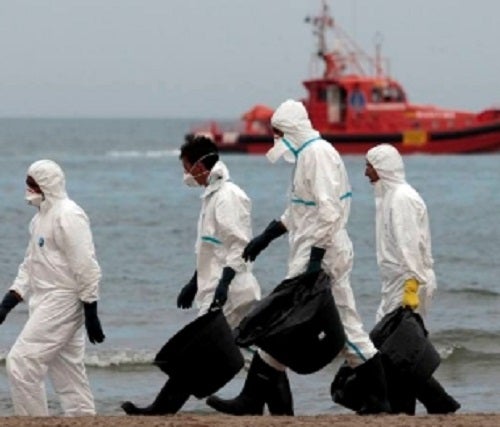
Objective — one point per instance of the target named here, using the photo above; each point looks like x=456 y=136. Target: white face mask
x=278 y=150
x=33 y=198
x=189 y=180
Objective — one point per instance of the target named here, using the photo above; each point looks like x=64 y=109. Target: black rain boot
x=279 y=397
x=169 y=400
x=401 y=392
x=372 y=378
x=435 y=399
x=262 y=382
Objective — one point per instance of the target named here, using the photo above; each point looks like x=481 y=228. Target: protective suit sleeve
x=323 y=177
x=21 y=283
x=285 y=218
x=74 y=238
x=404 y=223
x=233 y=220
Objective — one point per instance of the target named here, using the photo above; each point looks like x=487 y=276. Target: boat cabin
x=334 y=104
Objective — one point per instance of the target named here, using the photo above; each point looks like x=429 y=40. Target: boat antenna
x=320 y=25
x=346 y=54
x=378 y=57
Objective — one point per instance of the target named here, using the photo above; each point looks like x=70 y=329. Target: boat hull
x=477 y=139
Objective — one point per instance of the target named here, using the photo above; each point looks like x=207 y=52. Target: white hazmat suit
x=402 y=233
x=58 y=274
x=224 y=229
x=317 y=215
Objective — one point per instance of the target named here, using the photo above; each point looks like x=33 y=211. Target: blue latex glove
x=220 y=295
x=315 y=259
x=188 y=292
x=274 y=230
x=92 y=323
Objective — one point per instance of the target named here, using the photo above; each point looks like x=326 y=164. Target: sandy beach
x=197 y=420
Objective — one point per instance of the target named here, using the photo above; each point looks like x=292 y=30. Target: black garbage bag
x=408 y=358
x=402 y=338
x=298 y=324
x=202 y=355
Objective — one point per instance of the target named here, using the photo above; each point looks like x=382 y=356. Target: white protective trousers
x=58 y=352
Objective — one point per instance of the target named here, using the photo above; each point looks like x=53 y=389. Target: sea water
x=127 y=176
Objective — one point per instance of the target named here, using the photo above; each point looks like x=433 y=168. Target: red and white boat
x=355 y=105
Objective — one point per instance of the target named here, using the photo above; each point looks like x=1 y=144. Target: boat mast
x=346 y=56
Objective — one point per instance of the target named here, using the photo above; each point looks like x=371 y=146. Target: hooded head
x=50 y=178
x=388 y=164
x=198 y=155
x=292 y=120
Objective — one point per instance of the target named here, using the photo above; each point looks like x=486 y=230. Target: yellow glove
x=410 y=295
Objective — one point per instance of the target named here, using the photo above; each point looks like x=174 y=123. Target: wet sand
x=209 y=420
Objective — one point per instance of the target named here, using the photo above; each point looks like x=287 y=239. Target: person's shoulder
x=323 y=152
x=232 y=190
x=68 y=207
x=405 y=193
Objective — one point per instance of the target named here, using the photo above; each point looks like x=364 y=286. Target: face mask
x=378 y=189
x=189 y=180
x=277 y=150
x=281 y=148
x=33 y=198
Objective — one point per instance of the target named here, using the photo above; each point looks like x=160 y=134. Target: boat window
x=387 y=94
x=321 y=94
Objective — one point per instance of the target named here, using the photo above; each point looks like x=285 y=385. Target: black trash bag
x=408 y=358
x=402 y=338
x=346 y=388
x=298 y=324
x=202 y=356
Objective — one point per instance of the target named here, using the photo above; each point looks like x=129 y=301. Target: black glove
x=220 y=295
x=315 y=259
x=92 y=323
x=274 y=230
x=10 y=300
x=188 y=292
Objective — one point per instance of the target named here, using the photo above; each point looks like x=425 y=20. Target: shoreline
x=205 y=420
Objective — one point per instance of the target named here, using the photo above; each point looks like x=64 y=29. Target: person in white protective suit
x=222 y=278
x=404 y=257
x=315 y=219
x=60 y=276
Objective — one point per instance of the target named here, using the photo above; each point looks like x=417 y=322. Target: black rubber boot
x=401 y=390
x=372 y=379
x=279 y=396
x=435 y=399
x=169 y=400
x=263 y=384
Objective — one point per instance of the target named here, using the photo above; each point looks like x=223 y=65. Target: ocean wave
x=466 y=335
x=461 y=355
x=131 y=154
x=475 y=292
x=112 y=358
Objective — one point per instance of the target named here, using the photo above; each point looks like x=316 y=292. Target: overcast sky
x=216 y=58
